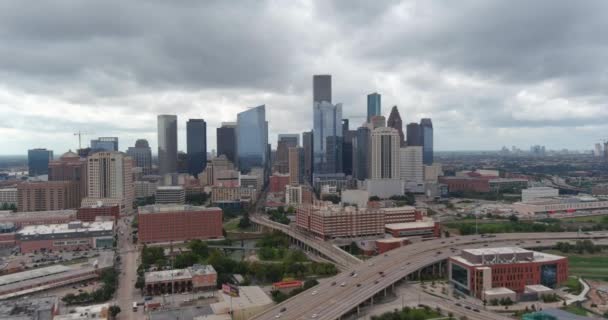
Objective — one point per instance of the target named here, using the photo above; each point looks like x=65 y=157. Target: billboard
x=230 y=289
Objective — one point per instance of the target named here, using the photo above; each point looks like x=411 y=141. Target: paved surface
x=129 y=255
x=334 y=299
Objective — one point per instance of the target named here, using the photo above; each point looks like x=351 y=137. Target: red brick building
x=89 y=214
x=166 y=223
x=278 y=182
x=464 y=184
x=477 y=271
x=47 y=195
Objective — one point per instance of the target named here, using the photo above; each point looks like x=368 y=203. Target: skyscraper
x=327 y=141
x=426 y=128
x=110 y=179
x=385 y=154
x=394 y=121
x=347 y=147
x=167 y=143
x=226 y=140
x=296 y=165
x=374 y=105
x=284 y=143
x=362 y=153
x=38 y=161
x=307 y=139
x=196 y=143
x=378 y=121
x=414 y=134
x=70 y=167
x=412 y=169
x=252 y=139
x=142 y=155
x=104 y=144
x=321 y=88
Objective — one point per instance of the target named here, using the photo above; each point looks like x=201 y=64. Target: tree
x=199 y=248
x=374 y=198
x=245 y=222
x=140 y=283
x=310 y=283
x=513 y=218
x=114 y=311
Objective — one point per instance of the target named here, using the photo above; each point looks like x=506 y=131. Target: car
x=376 y=282
x=380 y=272
x=438 y=252
x=538 y=241
x=358 y=285
x=458 y=305
x=343 y=284
x=277 y=316
x=314 y=292
x=355 y=275
x=485 y=245
x=476 y=310
x=314 y=315
x=283 y=309
x=467 y=307
x=402 y=267
x=371 y=264
x=333 y=283
x=386 y=254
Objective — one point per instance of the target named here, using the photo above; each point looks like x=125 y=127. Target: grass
x=232 y=225
x=580 y=311
x=591 y=219
x=574 y=286
x=587 y=266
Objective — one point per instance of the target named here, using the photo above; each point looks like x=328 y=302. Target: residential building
x=412 y=169
x=71 y=167
x=479 y=272
x=75 y=235
x=167 y=143
x=226 y=141
x=38 y=161
x=327 y=138
x=110 y=177
x=374 y=105
x=170 y=195
x=104 y=144
x=414 y=134
x=142 y=155
x=426 y=131
x=166 y=223
x=196 y=141
x=46 y=195
x=538 y=192
x=321 y=88
x=8 y=196
x=252 y=139
x=385 y=154
x=394 y=121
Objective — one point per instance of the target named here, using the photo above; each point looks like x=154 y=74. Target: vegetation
x=580 y=247
x=244 y=222
x=467 y=228
x=278 y=296
x=197 y=199
x=408 y=313
x=140 y=202
x=501 y=302
x=408 y=199
x=547 y=298
x=109 y=279
x=576 y=309
x=334 y=198
x=6 y=206
x=574 y=286
x=114 y=311
x=279 y=216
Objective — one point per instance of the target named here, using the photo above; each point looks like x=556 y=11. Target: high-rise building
x=327 y=142
x=46 y=196
x=70 y=167
x=252 y=139
x=38 y=161
x=110 y=177
x=378 y=122
x=307 y=144
x=598 y=151
x=395 y=122
x=374 y=105
x=426 y=128
x=285 y=142
x=414 y=134
x=385 y=154
x=104 y=144
x=167 y=143
x=412 y=169
x=196 y=141
x=347 y=147
x=362 y=153
x=296 y=165
x=142 y=155
x=226 y=140
x=321 y=88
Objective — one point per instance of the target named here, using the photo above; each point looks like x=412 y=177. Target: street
x=129 y=254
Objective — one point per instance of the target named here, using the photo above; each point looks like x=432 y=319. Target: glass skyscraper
x=321 y=88
x=38 y=161
x=374 y=106
x=327 y=138
x=142 y=155
x=226 y=141
x=104 y=144
x=362 y=153
x=167 y=144
x=196 y=144
x=426 y=128
x=252 y=139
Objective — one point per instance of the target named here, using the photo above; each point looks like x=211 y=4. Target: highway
x=343 y=293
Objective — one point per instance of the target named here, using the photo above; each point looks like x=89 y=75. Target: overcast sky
x=489 y=73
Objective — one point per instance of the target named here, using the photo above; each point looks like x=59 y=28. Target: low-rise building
x=75 y=235
x=166 y=223
x=538 y=192
x=90 y=214
x=22 y=219
x=561 y=205
x=30 y=308
x=482 y=272
x=93 y=312
x=170 y=195
x=195 y=278
x=252 y=300
x=423 y=228
x=145 y=189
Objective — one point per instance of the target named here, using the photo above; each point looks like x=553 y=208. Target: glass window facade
x=374 y=105
x=427 y=141
x=548 y=275
x=460 y=277
x=327 y=135
x=252 y=138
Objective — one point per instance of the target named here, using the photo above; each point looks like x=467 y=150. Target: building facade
x=394 y=121
x=414 y=134
x=307 y=144
x=385 y=154
x=104 y=144
x=8 y=196
x=110 y=177
x=412 y=168
x=195 y=278
x=196 y=143
x=226 y=141
x=284 y=143
x=38 y=161
x=167 y=143
x=142 y=156
x=426 y=130
x=167 y=223
x=170 y=195
x=327 y=138
x=374 y=105
x=75 y=235
x=362 y=154
x=321 y=88
x=91 y=213
x=252 y=139
x=46 y=195
x=70 y=167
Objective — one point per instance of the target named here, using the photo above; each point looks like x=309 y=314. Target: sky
x=489 y=73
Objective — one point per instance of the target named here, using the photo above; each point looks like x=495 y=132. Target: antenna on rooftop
x=79 y=134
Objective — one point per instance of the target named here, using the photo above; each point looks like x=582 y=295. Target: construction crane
x=79 y=134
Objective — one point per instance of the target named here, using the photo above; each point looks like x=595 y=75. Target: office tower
x=414 y=134
x=378 y=122
x=347 y=147
x=426 y=129
x=412 y=169
x=196 y=143
x=327 y=138
x=321 y=88
x=46 y=196
x=142 y=155
x=226 y=140
x=110 y=178
x=182 y=163
x=362 y=153
x=296 y=165
x=104 y=144
x=394 y=121
x=285 y=142
x=167 y=143
x=385 y=154
x=252 y=139
x=598 y=152
x=606 y=151
x=38 y=161
x=307 y=139
x=70 y=167
x=374 y=105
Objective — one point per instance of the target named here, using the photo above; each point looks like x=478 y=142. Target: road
x=333 y=299
x=129 y=255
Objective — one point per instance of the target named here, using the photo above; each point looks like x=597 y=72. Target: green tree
x=114 y=311
x=199 y=248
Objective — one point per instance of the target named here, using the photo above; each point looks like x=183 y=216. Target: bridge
x=344 y=295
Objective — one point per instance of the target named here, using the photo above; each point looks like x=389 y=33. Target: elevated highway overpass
x=344 y=294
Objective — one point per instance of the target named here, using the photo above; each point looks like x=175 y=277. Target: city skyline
x=429 y=63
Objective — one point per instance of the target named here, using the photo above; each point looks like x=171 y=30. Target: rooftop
x=71 y=227
x=159 y=208
x=99 y=311
x=501 y=290
x=494 y=251
x=169 y=188
x=249 y=296
x=426 y=223
x=32 y=274
x=27 y=308
x=37 y=214
x=179 y=274
x=399 y=209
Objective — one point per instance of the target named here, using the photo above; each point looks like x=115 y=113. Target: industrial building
x=166 y=223
x=561 y=205
x=75 y=235
x=195 y=278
